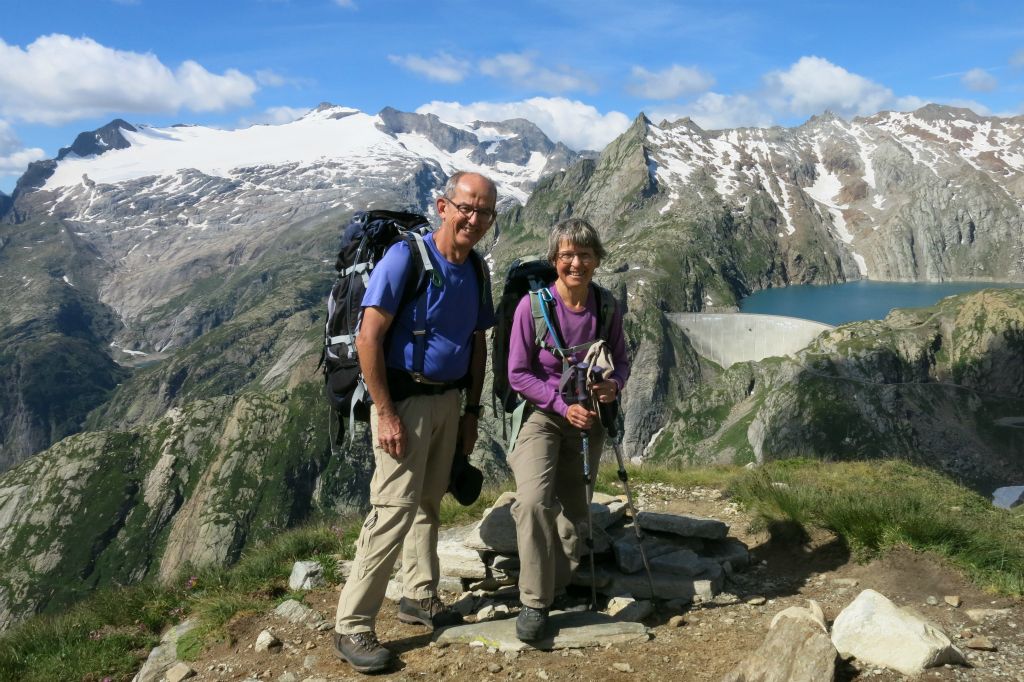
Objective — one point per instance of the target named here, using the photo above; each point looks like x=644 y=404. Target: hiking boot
x=363 y=651
x=531 y=623
x=430 y=612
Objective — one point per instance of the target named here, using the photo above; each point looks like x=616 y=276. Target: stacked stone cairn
x=689 y=556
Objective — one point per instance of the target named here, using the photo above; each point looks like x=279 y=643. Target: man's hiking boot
x=531 y=623
x=363 y=651
x=430 y=612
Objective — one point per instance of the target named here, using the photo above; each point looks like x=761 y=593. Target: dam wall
x=728 y=338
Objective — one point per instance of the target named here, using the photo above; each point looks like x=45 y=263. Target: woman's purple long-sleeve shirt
x=535 y=373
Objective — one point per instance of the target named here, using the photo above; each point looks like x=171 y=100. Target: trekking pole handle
x=581 y=382
x=607 y=416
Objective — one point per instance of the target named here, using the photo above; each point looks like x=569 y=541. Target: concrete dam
x=728 y=338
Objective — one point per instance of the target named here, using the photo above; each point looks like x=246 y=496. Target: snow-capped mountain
x=167 y=206
x=933 y=194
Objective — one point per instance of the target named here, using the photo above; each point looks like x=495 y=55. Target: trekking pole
x=610 y=425
x=582 y=397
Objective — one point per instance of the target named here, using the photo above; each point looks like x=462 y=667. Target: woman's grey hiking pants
x=547 y=463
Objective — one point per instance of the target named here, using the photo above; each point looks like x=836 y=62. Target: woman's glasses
x=568 y=256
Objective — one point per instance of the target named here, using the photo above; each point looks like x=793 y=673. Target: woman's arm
x=525 y=374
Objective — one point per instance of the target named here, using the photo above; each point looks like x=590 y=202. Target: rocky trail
x=704 y=640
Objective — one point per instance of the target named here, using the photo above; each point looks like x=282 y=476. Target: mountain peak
x=942 y=112
x=95 y=142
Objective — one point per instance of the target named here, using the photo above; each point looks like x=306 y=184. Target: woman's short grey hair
x=577 y=232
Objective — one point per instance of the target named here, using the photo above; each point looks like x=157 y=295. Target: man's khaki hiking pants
x=547 y=462
x=406 y=497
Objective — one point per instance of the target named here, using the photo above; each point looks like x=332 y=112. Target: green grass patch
x=878 y=505
x=110 y=633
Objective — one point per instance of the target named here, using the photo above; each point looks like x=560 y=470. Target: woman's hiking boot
x=531 y=624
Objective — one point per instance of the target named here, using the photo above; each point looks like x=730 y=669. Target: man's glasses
x=485 y=214
x=568 y=256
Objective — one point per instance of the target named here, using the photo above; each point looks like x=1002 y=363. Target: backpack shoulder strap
x=416 y=288
x=483 y=277
x=545 y=321
x=606 y=304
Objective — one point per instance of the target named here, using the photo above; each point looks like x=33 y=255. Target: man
x=415 y=422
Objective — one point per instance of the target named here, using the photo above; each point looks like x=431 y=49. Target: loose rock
x=876 y=631
x=179 y=672
x=266 y=641
x=306 y=575
x=797 y=649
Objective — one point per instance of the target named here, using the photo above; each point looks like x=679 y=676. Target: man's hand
x=468 y=432
x=605 y=390
x=580 y=417
x=391 y=434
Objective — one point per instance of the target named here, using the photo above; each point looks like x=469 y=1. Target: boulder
x=456 y=559
x=496 y=531
x=797 y=649
x=683 y=525
x=164 y=656
x=876 y=631
x=306 y=575
x=296 y=612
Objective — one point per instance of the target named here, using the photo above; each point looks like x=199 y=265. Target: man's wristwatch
x=473 y=410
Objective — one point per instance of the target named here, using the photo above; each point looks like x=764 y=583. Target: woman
x=547 y=459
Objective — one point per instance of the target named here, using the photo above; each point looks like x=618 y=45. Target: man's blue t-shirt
x=454 y=312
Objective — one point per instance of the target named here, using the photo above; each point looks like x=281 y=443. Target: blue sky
x=581 y=69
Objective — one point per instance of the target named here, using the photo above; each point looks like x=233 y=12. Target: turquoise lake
x=853 y=301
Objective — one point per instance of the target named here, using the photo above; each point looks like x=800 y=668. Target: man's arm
x=370 y=346
x=477 y=368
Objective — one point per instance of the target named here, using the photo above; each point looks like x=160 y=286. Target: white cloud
x=270 y=79
x=57 y=79
x=274 y=116
x=520 y=70
x=577 y=125
x=812 y=85
x=347 y=4
x=15 y=157
x=442 y=67
x=1017 y=59
x=979 y=80
x=675 y=81
x=714 y=111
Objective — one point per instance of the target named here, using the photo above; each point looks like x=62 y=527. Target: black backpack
x=364 y=242
x=531 y=276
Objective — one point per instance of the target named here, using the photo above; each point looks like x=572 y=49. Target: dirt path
x=713 y=639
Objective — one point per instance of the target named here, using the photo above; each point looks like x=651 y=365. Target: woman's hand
x=604 y=390
x=580 y=417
